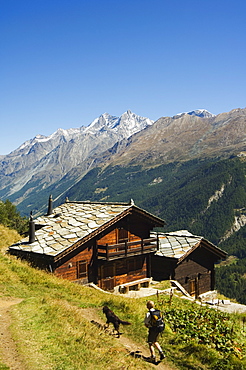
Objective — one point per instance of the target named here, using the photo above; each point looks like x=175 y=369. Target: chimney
x=31 y=229
x=50 y=206
x=132 y=202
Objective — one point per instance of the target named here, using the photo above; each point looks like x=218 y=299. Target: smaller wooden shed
x=188 y=259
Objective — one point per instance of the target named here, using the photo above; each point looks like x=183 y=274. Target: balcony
x=137 y=247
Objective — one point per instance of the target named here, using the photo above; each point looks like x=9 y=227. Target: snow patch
x=202 y=113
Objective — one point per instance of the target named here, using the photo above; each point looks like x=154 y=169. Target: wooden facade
x=194 y=270
x=117 y=252
x=108 y=261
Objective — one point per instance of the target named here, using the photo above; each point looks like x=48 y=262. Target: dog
x=115 y=320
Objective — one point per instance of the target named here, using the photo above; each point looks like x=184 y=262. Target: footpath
x=8 y=349
x=11 y=357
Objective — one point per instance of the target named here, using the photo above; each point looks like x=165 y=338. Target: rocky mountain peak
x=49 y=158
x=126 y=125
x=202 y=113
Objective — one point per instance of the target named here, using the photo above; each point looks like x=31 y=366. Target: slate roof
x=180 y=243
x=71 y=222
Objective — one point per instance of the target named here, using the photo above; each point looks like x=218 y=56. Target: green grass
x=65 y=339
x=3 y=367
x=51 y=332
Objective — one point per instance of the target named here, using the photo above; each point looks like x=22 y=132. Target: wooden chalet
x=188 y=259
x=108 y=244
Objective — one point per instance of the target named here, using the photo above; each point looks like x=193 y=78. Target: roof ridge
x=98 y=202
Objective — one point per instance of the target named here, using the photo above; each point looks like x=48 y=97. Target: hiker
x=154 y=330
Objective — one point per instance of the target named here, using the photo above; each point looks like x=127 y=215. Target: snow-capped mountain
x=126 y=125
x=203 y=113
x=66 y=134
x=44 y=160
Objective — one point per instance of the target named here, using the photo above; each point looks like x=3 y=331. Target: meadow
x=52 y=333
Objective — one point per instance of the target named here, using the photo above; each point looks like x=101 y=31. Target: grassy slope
x=51 y=333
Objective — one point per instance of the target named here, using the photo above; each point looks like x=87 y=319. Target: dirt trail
x=8 y=349
x=10 y=356
x=131 y=347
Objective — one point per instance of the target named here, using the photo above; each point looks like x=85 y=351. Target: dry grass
x=54 y=335
x=7 y=237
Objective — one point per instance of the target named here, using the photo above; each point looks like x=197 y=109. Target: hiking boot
x=162 y=356
x=152 y=360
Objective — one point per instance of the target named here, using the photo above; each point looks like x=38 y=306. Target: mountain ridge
x=63 y=150
x=63 y=158
x=185 y=137
x=103 y=122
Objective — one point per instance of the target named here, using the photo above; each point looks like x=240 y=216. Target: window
x=122 y=235
x=108 y=271
x=81 y=269
x=135 y=264
x=192 y=284
x=131 y=265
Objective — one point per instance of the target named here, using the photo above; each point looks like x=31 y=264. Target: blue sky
x=65 y=62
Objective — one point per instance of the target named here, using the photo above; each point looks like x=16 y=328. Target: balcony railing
x=125 y=249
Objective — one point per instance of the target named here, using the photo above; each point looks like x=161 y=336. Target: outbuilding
x=188 y=259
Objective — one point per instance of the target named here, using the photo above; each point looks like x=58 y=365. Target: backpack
x=157 y=320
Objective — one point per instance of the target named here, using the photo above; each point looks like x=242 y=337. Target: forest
x=10 y=217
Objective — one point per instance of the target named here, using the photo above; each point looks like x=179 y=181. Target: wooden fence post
x=125 y=248
x=107 y=251
x=142 y=246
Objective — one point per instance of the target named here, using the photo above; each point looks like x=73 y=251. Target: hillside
x=230 y=278
x=204 y=196
x=51 y=326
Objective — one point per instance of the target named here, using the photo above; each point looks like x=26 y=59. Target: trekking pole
x=157 y=295
x=170 y=298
